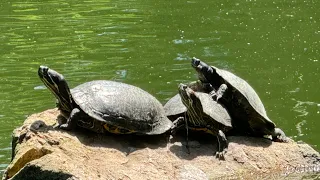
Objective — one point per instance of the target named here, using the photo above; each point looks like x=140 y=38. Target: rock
x=41 y=152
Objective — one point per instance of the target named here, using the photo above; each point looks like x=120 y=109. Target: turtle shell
x=213 y=111
x=174 y=107
x=243 y=102
x=122 y=105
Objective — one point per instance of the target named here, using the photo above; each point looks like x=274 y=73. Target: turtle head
x=191 y=101
x=56 y=83
x=187 y=95
x=205 y=72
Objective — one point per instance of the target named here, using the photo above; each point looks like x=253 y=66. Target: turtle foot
x=56 y=126
x=220 y=155
x=222 y=145
x=66 y=127
x=279 y=136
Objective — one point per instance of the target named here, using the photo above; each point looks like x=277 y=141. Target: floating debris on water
x=3 y=166
x=122 y=73
x=40 y=87
x=181 y=57
x=182 y=41
x=295 y=90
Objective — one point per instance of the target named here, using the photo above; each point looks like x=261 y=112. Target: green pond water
x=274 y=45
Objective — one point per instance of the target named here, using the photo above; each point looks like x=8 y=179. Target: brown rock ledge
x=54 y=154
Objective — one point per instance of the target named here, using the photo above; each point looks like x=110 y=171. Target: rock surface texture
x=41 y=152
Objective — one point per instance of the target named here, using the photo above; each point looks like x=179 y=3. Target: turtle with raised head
x=242 y=102
x=106 y=106
x=202 y=114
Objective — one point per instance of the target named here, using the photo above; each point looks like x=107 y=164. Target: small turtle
x=242 y=102
x=204 y=114
x=106 y=106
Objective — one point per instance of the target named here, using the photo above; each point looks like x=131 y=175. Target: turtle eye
x=195 y=62
x=45 y=69
x=184 y=86
x=42 y=71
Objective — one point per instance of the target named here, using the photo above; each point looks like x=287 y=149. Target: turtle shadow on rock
x=200 y=144
x=204 y=144
x=126 y=143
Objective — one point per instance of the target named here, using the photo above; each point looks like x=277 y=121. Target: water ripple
x=302 y=107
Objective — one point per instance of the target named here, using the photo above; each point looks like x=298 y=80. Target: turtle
x=202 y=113
x=246 y=109
x=174 y=108
x=106 y=106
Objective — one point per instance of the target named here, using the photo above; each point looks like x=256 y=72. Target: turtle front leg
x=279 y=136
x=222 y=145
x=72 y=120
x=178 y=123
x=187 y=138
x=219 y=93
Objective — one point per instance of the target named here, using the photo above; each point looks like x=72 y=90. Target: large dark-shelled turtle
x=103 y=106
x=242 y=102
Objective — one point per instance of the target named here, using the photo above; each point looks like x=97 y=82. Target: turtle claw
x=216 y=95
x=65 y=127
x=56 y=126
x=220 y=155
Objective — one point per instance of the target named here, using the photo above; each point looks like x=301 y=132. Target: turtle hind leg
x=222 y=145
x=279 y=136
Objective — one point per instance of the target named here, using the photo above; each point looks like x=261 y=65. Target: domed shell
x=174 y=106
x=122 y=105
x=247 y=97
x=214 y=110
